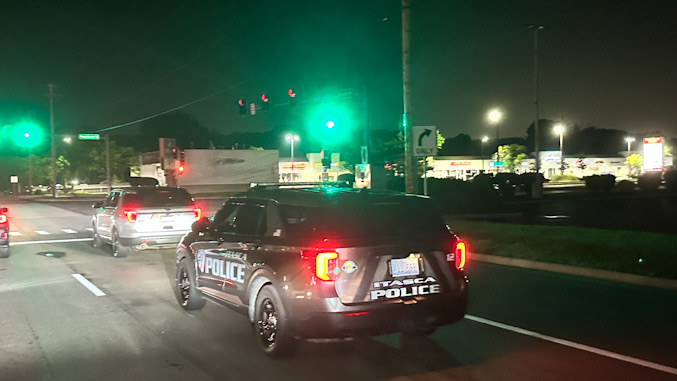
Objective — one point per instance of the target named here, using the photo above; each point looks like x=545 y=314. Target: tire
x=271 y=326
x=190 y=298
x=119 y=250
x=4 y=252
x=96 y=239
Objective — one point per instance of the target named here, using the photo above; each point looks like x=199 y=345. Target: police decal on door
x=222 y=268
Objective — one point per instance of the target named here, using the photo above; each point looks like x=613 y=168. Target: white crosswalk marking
x=89 y=229
x=15 y=234
x=69 y=231
x=42 y=232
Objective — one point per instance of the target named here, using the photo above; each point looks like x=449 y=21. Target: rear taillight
x=322 y=263
x=3 y=218
x=198 y=213
x=459 y=255
x=131 y=215
x=4 y=235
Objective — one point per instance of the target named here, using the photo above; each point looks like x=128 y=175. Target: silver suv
x=143 y=217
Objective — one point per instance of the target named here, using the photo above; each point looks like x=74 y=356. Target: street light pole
x=629 y=140
x=484 y=140
x=559 y=129
x=494 y=117
x=291 y=139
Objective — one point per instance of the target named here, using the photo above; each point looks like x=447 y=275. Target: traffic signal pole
x=410 y=178
x=53 y=143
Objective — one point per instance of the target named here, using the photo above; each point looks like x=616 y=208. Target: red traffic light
x=291 y=93
x=264 y=98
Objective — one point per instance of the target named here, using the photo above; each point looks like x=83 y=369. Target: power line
x=168 y=111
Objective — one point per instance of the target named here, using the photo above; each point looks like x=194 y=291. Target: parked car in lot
x=325 y=262
x=4 y=233
x=143 y=217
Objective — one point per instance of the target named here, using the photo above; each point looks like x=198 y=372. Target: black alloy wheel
x=189 y=296
x=271 y=323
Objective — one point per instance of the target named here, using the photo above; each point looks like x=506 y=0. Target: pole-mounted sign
x=89 y=136
x=425 y=141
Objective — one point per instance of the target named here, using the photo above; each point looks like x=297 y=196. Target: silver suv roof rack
x=319 y=184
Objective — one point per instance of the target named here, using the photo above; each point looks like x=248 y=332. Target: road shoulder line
x=669 y=284
x=571 y=344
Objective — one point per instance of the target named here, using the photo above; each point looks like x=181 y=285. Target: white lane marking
x=42 y=232
x=70 y=231
x=597 y=351
x=49 y=241
x=15 y=234
x=90 y=286
x=89 y=229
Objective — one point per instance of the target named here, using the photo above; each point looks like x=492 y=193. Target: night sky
x=608 y=64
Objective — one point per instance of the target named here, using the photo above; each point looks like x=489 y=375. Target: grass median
x=641 y=253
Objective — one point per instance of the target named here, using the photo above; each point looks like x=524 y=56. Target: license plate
x=405 y=266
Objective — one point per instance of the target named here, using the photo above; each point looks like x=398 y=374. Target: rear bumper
x=152 y=240
x=331 y=319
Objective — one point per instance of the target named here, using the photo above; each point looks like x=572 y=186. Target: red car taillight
x=198 y=213
x=3 y=218
x=322 y=263
x=131 y=215
x=458 y=256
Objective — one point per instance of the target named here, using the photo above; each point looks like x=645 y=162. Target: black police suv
x=4 y=233
x=325 y=262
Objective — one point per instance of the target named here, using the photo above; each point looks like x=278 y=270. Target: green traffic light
x=330 y=123
x=26 y=134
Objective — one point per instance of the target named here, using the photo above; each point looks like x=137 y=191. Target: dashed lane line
x=89 y=285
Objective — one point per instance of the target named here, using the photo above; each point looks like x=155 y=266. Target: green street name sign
x=89 y=137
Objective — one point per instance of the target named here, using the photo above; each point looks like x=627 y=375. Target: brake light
x=322 y=263
x=3 y=218
x=131 y=215
x=198 y=213
x=459 y=255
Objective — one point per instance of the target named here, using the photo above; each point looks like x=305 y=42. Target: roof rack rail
x=319 y=184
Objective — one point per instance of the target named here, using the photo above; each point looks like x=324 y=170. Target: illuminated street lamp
x=484 y=140
x=494 y=116
x=559 y=129
x=291 y=138
x=629 y=140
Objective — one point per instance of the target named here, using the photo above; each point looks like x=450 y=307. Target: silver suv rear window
x=157 y=198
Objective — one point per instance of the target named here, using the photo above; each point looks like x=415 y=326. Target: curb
x=668 y=284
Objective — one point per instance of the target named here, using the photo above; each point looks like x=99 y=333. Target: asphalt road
x=521 y=324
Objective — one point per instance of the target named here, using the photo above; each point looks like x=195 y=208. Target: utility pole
x=536 y=190
x=52 y=137
x=410 y=173
x=108 y=179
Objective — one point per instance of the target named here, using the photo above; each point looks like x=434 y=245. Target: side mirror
x=97 y=204
x=201 y=225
